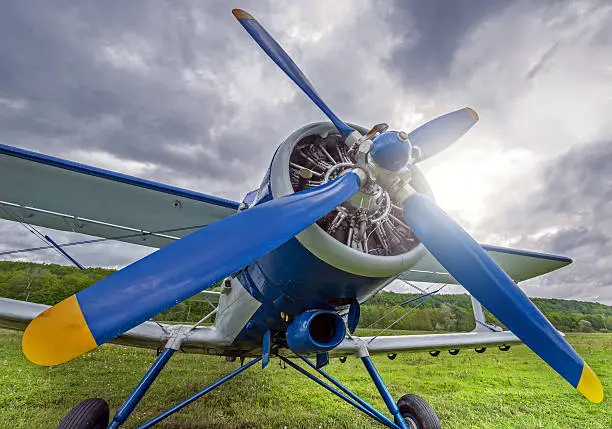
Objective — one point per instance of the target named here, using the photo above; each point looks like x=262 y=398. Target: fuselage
x=312 y=270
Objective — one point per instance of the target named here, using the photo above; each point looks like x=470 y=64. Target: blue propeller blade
x=174 y=273
x=474 y=269
x=441 y=132
x=284 y=61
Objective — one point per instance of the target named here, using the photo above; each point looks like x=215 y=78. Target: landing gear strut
x=410 y=412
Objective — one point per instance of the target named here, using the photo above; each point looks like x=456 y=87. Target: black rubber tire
x=418 y=413
x=454 y=352
x=481 y=350
x=434 y=353
x=89 y=414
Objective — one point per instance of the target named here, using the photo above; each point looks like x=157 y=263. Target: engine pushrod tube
x=378 y=416
x=384 y=392
x=344 y=389
x=201 y=393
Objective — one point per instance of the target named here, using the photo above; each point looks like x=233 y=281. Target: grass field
x=492 y=390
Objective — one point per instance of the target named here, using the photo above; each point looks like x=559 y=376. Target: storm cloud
x=178 y=92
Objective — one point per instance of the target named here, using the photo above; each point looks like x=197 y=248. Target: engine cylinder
x=315 y=331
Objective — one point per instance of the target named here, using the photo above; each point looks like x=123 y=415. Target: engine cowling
x=320 y=268
x=315 y=331
x=389 y=248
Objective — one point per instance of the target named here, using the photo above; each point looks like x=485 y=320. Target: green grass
x=494 y=390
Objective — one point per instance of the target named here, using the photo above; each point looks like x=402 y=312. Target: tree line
x=49 y=284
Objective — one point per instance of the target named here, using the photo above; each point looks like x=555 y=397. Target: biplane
x=342 y=211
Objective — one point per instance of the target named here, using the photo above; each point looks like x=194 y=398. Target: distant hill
x=435 y=314
x=49 y=284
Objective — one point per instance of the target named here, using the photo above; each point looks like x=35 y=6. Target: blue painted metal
x=384 y=392
x=528 y=253
x=284 y=61
x=375 y=415
x=265 y=349
x=390 y=152
x=322 y=359
x=474 y=269
x=130 y=403
x=294 y=279
x=300 y=340
x=345 y=390
x=354 y=313
x=201 y=393
x=63 y=252
x=117 y=177
x=187 y=266
x=441 y=132
x=290 y=279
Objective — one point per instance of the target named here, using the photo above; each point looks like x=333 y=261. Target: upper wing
x=59 y=194
x=518 y=264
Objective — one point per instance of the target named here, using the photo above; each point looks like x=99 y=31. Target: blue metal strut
x=130 y=403
x=344 y=389
x=201 y=393
x=384 y=392
x=367 y=409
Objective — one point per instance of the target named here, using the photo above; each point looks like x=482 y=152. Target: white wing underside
x=59 y=194
x=518 y=264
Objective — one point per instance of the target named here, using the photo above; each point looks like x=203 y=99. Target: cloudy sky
x=178 y=92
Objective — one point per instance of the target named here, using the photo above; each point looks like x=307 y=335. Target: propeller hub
x=392 y=150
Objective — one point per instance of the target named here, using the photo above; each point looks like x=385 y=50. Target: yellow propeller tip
x=57 y=335
x=472 y=113
x=589 y=385
x=241 y=14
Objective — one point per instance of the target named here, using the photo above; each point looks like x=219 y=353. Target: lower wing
x=430 y=342
x=205 y=339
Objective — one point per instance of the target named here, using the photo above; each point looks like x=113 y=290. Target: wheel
x=504 y=348
x=417 y=413
x=342 y=359
x=454 y=352
x=392 y=356
x=89 y=414
x=481 y=350
x=434 y=353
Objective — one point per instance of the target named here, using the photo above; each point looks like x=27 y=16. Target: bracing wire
x=394 y=309
x=424 y=298
x=40 y=236
x=100 y=240
x=457 y=308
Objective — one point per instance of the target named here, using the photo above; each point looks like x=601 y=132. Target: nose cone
x=390 y=151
